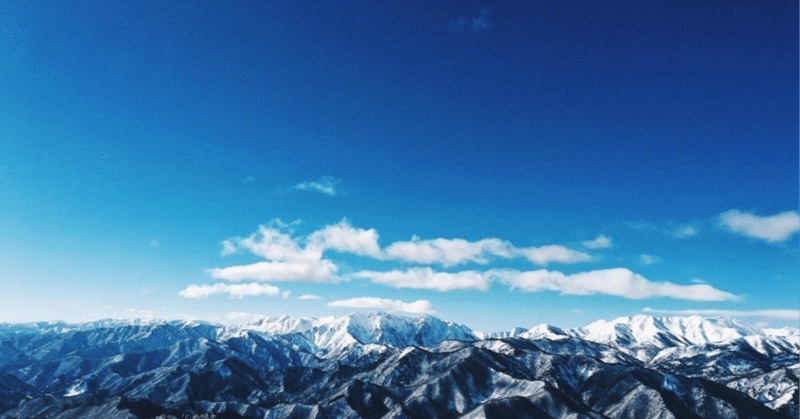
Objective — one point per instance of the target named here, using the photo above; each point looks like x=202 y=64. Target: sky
x=493 y=163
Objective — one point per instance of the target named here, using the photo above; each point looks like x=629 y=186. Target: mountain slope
x=381 y=365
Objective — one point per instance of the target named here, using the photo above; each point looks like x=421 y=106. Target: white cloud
x=684 y=231
x=327 y=185
x=228 y=248
x=286 y=294
x=448 y=252
x=600 y=242
x=426 y=278
x=309 y=297
x=419 y=306
x=301 y=258
x=774 y=228
x=248 y=179
x=779 y=314
x=343 y=237
x=233 y=290
x=649 y=259
x=554 y=253
x=286 y=259
x=305 y=270
x=273 y=244
x=618 y=281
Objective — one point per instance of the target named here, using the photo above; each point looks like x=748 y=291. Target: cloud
x=342 y=237
x=474 y=25
x=309 y=297
x=601 y=242
x=554 y=253
x=426 y=278
x=306 y=270
x=286 y=294
x=680 y=231
x=289 y=258
x=683 y=231
x=248 y=179
x=779 y=314
x=448 y=252
x=772 y=229
x=419 y=306
x=618 y=281
x=286 y=260
x=233 y=290
x=327 y=185
x=649 y=259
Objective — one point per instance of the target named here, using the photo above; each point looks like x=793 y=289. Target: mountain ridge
x=386 y=365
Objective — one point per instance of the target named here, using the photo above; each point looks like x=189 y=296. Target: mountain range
x=379 y=365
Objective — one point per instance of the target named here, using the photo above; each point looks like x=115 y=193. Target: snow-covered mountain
x=331 y=335
x=383 y=365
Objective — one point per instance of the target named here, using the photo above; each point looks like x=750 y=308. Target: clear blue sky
x=593 y=159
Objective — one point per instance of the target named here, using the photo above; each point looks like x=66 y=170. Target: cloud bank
x=289 y=258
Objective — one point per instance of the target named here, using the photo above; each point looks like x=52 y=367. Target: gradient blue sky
x=620 y=156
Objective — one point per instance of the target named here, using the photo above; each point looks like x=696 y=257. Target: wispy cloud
x=449 y=252
x=309 y=297
x=472 y=25
x=419 y=306
x=554 y=253
x=312 y=270
x=600 y=242
x=327 y=185
x=778 y=314
x=683 y=231
x=679 y=231
x=427 y=278
x=233 y=290
x=248 y=179
x=618 y=281
x=773 y=229
x=649 y=259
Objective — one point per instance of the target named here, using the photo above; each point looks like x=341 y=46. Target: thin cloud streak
x=417 y=307
x=778 y=314
x=233 y=290
x=326 y=185
x=427 y=278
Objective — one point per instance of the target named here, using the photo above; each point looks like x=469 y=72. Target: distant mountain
x=380 y=365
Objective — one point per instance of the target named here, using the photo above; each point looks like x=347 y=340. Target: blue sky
x=493 y=163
